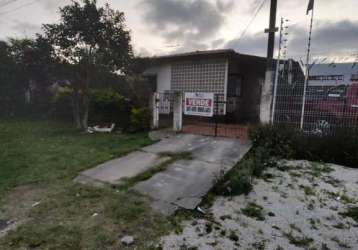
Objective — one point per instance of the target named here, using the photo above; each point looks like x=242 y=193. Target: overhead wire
x=5 y=3
x=18 y=7
x=252 y=20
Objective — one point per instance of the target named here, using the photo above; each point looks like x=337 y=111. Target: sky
x=172 y=26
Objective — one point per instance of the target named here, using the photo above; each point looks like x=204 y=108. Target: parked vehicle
x=325 y=109
x=337 y=108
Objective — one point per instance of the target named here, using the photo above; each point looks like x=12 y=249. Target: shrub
x=340 y=148
x=62 y=104
x=277 y=141
x=108 y=105
x=140 y=119
x=237 y=181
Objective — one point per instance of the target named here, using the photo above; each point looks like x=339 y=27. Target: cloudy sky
x=168 y=26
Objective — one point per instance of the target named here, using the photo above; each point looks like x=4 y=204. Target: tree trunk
x=85 y=98
x=76 y=108
x=85 y=103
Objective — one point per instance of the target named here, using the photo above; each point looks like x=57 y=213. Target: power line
x=252 y=20
x=19 y=7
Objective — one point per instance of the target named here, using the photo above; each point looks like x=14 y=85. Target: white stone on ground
x=127 y=240
x=296 y=213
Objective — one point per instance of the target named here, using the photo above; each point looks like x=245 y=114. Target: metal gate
x=221 y=124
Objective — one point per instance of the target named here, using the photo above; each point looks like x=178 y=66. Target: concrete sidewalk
x=184 y=182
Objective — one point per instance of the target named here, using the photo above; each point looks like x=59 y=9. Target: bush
x=276 y=141
x=140 y=119
x=107 y=106
x=62 y=104
x=240 y=179
x=340 y=148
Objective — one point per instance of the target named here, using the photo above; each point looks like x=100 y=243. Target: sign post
x=199 y=104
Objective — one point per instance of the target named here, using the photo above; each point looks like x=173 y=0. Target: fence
x=221 y=124
x=327 y=107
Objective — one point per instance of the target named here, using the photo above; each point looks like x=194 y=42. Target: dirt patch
x=303 y=205
x=20 y=200
x=17 y=206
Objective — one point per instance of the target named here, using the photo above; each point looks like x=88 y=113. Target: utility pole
x=277 y=73
x=266 y=93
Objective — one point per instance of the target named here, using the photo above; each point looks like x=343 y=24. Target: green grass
x=47 y=152
x=38 y=161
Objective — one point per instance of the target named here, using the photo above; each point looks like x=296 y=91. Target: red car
x=336 y=108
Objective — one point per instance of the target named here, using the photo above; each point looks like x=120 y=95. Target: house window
x=235 y=86
x=327 y=78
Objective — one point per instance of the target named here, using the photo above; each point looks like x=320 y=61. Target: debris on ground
x=36 y=204
x=102 y=128
x=127 y=240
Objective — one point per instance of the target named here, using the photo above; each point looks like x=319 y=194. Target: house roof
x=333 y=69
x=200 y=53
x=203 y=54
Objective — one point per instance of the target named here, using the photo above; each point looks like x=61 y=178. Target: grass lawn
x=38 y=161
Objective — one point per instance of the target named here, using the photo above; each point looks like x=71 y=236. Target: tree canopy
x=93 y=40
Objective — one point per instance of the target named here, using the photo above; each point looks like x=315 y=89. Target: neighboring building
x=334 y=74
x=235 y=78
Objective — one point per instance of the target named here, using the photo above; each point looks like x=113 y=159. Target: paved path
x=184 y=182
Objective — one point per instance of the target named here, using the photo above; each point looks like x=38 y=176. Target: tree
x=10 y=90
x=90 y=40
x=34 y=59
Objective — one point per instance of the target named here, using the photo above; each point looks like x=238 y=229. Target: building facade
x=234 y=78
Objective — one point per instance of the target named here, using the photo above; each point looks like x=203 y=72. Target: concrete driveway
x=184 y=182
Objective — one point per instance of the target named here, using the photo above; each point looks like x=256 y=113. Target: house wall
x=209 y=75
x=200 y=76
x=163 y=73
x=212 y=75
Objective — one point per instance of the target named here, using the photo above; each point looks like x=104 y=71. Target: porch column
x=155 y=111
x=178 y=112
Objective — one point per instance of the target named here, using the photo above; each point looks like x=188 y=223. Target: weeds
x=303 y=242
x=233 y=236
x=308 y=190
x=340 y=243
x=317 y=169
x=254 y=211
x=288 y=143
x=351 y=212
x=171 y=158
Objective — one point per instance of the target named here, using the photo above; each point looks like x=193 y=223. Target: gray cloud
x=255 y=44
x=217 y=43
x=185 y=21
x=53 y=5
x=26 y=28
x=225 y=6
x=329 y=38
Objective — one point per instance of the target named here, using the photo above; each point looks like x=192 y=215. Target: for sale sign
x=199 y=104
